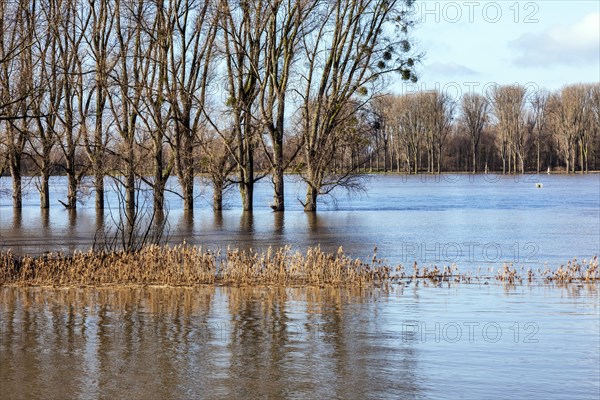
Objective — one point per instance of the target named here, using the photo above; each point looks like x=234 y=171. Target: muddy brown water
x=463 y=341
x=468 y=341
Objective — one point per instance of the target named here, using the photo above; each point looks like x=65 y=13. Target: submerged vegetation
x=186 y=265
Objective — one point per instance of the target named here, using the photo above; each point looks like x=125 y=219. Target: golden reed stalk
x=186 y=265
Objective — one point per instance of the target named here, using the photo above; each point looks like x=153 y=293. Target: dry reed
x=185 y=265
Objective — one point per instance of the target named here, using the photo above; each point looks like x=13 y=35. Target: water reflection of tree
x=352 y=353
x=161 y=337
x=247 y=223
x=112 y=341
x=279 y=223
x=258 y=343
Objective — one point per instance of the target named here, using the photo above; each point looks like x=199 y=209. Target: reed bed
x=185 y=265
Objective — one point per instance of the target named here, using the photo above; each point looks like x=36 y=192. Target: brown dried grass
x=185 y=265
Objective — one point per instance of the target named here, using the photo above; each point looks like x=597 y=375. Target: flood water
x=481 y=220
x=465 y=341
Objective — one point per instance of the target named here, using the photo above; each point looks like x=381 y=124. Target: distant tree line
x=509 y=130
x=142 y=91
x=239 y=90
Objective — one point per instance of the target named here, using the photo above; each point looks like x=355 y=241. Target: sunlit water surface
x=473 y=221
x=465 y=341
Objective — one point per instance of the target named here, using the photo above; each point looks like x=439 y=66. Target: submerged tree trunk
x=217 y=195
x=247 y=193
x=72 y=191
x=160 y=175
x=130 y=181
x=99 y=187
x=15 y=173
x=185 y=169
x=278 y=184
x=45 y=190
x=310 y=205
x=188 y=189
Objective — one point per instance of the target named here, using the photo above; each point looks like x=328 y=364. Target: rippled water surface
x=469 y=341
x=469 y=220
x=464 y=341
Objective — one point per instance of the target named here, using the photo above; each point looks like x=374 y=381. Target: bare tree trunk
x=416 y=162
x=15 y=173
x=72 y=192
x=385 y=157
x=521 y=163
x=102 y=22
x=99 y=185
x=310 y=204
x=538 y=156
x=130 y=180
x=45 y=191
x=218 y=196
x=247 y=193
x=278 y=182
x=160 y=176
x=187 y=180
x=474 y=157
x=159 y=182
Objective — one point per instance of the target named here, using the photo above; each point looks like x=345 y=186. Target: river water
x=464 y=341
x=473 y=341
x=472 y=221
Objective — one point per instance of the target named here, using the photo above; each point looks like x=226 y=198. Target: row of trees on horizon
x=510 y=129
x=142 y=91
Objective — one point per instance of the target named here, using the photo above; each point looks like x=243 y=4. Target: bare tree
x=218 y=162
x=411 y=127
x=70 y=29
x=586 y=102
x=567 y=110
x=437 y=116
x=128 y=82
x=382 y=111
x=191 y=52
x=43 y=56
x=353 y=46
x=508 y=103
x=594 y=121
x=156 y=111
x=539 y=116
x=474 y=109
x=17 y=22
x=288 y=22
x=243 y=32
x=99 y=41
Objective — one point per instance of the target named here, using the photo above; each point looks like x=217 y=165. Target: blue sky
x=474 y=44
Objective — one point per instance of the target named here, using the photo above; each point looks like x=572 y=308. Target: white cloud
x=575 y=44
x=448 y=70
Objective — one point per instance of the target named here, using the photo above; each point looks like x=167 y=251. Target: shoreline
x=366 y=173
